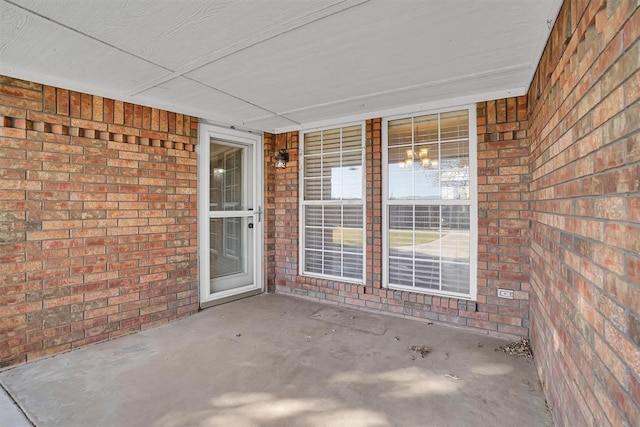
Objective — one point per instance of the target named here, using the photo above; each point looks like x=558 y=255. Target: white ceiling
x=276 y=65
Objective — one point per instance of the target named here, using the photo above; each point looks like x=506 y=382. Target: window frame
x=473 y=203
x=302 y=203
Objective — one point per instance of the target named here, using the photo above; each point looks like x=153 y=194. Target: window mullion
x=341 y=209
x=413 y=191
x=413 y=166
x=321 y=166
x=440 y=250
x=439 y=145
x=323 y=247
x=413 y=273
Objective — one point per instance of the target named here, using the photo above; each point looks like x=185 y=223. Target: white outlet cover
x=505 y=293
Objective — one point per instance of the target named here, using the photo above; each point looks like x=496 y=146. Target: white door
x=230 y=214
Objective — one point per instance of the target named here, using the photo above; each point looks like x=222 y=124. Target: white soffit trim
x=463 y=101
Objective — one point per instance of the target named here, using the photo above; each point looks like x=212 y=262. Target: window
x=430 y=203
x=332 y=203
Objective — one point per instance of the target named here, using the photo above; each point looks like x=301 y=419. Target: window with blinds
x=332 y=203
x=430 y=204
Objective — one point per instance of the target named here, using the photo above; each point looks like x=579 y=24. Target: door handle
x=258 y=212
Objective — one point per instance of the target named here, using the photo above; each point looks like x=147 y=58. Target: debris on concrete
x=446 y=355
x=422 y=349
x=548 y=406
x=238 y=335
x=429 y=323
x=521 y=348
x=453 y=376
x=396 y=338
x=333 y=330
x=412 y=357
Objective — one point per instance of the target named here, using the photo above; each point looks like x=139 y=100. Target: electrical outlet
x=505 y=293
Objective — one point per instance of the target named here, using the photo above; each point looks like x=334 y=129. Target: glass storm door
x=231 y=217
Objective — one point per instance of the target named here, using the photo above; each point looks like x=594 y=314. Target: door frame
x=205 y=133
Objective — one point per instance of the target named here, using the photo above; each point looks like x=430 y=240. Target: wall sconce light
x=281 y=159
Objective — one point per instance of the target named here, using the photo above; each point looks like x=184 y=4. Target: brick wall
x=285 y=212
x=503 y=216
x=585 y=234
x=97 y=219
x=503 y=228
x=269 y=256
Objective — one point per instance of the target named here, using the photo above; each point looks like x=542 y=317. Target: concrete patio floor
x=274 y=360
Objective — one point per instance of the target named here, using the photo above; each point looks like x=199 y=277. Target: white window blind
x=332 y=226
x=429 y=204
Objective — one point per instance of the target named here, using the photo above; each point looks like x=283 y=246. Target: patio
x=278 y=360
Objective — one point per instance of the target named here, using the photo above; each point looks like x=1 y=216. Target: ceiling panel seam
x=271 y=113
x=76 y=31
x=265 y=36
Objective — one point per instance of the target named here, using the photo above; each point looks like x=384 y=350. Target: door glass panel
x=231 y=235
x=226 y=246
x=226 y=178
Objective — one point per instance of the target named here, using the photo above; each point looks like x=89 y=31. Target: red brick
x=63 y=197
x=609 y=358
x=55 y=302
x=583 y=260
